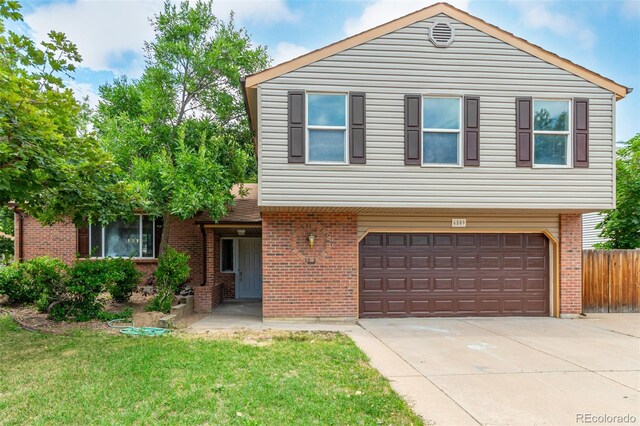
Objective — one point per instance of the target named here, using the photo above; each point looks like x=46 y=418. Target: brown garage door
x=425 y=275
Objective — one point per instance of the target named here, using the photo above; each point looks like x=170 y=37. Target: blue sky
x=603 y=36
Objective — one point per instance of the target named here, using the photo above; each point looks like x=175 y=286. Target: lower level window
x=124 y=239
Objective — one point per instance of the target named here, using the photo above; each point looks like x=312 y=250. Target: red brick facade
x=59 y=240
x=570 y=264
x=298 y=281
x=303 y=282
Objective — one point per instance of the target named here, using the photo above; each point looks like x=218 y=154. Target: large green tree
x=622 y=225
x=50 y=165
x=180 y=131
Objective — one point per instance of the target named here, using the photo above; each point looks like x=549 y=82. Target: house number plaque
x=458 y=223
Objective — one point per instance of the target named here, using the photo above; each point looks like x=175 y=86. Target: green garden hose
x=131 y=330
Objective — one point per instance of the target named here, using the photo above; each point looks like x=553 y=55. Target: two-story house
x=435 y=165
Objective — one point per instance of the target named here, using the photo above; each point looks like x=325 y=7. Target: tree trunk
x=166 y=227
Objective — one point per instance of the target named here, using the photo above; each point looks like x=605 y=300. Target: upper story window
x=441 y=131
x=327 y=128
x=122 y=239
x=551 y=130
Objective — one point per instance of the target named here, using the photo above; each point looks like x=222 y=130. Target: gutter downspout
x=204 y=255
x=19 y=256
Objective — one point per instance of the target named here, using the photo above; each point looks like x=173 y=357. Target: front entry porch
x=232 y=267
x=232 y=313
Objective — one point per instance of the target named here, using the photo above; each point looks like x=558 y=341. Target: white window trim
x=459 y=131
x=102 y=235
x=235 y=255
x=568 y=133
x=316 y=127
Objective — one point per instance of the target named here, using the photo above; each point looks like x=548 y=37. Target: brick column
x=309 y=283
x=570 y=264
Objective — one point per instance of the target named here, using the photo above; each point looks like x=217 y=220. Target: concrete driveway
x=510 y=371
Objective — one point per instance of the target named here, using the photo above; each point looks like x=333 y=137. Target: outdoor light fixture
x=241 y=232
x=312 y=239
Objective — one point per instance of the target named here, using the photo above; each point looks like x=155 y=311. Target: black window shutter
x=296 y=126
x=357 y=131
x=524 y=132
x=412 y=129
x=83 y=240
x=581 y=133
x=471 y=131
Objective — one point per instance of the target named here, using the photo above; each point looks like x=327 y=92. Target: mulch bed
x=30 y=319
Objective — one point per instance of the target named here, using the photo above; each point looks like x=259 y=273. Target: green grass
x=97 y=378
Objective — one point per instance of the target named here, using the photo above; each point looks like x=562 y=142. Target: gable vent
x=441 y=34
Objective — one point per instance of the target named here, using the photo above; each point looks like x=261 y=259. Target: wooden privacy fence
x=611 y=281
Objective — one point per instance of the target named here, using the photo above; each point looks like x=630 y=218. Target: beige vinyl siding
x=405 y=62
x=476 y=222
x=590 y=235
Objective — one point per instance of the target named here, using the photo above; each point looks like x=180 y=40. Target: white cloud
x=110 y=34
x=285 y=51
x=381 y=11
x=539 y=16
x=83 y=92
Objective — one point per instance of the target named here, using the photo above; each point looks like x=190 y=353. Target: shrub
x=173 y=270
x=122 y=278
x=12 y=284
x=26 y=282
x=79 y=299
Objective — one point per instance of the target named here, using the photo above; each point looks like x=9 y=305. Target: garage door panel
x=454 y=275
x=396 y=240
x=489 y=241
x=396 y=262
x=371 y=262
x=515 y=284
x=397 y=284
x=466 y=240
x=420 y=262
x=443 y=240
x=372 y=284
x=397 y=306
x=420 y=240
x=536 y=262
x=420 y=284
x=467 y=284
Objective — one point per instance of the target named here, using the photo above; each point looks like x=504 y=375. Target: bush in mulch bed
x=69 y=293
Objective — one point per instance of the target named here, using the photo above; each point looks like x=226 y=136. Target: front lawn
x=281 y=378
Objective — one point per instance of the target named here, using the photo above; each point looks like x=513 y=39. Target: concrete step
x=183 y=306
x=167 y=321
x=180 y=311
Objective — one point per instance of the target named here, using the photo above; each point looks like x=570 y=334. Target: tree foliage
x=49 y=164
x=181 y=132
x=621 y=226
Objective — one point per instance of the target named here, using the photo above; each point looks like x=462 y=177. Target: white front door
x=249 y=275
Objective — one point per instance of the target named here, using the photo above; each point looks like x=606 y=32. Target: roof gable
x=253 y=80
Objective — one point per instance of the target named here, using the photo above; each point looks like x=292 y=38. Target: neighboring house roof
x=3 y=235
x=250 y=82
x=244 y=210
